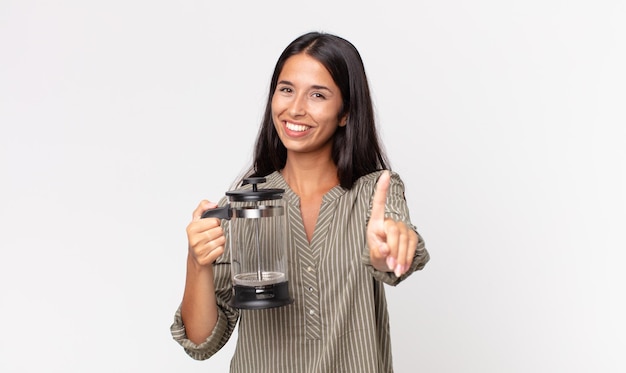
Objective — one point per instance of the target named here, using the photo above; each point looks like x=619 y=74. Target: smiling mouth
x=296 y=127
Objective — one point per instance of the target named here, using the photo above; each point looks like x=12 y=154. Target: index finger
x=380 y=196
x=202 y=207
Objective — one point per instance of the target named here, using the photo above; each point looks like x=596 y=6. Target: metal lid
x=255 y=194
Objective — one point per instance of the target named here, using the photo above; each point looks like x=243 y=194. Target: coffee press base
x=262 y=296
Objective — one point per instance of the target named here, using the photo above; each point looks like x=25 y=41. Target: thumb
x=380 y=197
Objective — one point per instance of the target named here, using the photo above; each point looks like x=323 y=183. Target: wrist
x=196 y=267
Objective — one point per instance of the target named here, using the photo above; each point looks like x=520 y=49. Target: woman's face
x=306 y=105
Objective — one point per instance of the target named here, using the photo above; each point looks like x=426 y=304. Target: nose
x=297 y=106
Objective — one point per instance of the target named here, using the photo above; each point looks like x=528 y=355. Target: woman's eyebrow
x=315 y=86
x=320 y=87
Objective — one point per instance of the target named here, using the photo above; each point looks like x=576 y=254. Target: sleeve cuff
x=210 y=346
x=420 y=259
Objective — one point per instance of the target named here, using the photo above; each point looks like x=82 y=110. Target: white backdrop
x=505 y=119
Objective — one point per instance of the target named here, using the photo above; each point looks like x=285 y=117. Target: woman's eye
x=284 y=89
x=318 y=95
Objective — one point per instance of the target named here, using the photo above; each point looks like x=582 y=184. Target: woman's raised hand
x=205 y=236
x=391 y=243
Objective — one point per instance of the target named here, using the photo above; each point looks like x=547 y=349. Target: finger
x=202 y=207
x=214 y=232
x=207 y=245
x=410 y=253
x=215 y=245
x=210 y=252
x=392 y=234
x=380 y=197
x=403 y=243
x=391 y=263
x=215 y=238
x=215 y=253
x=198 y=231
x=411 y=246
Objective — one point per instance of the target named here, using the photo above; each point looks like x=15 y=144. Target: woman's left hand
x=391 y=243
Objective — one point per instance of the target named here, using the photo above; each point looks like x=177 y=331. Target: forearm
x=199 y=307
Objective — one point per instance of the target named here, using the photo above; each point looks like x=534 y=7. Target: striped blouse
x=338 y=321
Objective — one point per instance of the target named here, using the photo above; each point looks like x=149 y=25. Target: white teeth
x=296 y=127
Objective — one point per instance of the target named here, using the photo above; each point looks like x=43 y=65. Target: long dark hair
x=356 y=148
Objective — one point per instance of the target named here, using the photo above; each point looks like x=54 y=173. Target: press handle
x=220 y=212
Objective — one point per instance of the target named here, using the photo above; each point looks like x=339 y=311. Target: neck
x=307 y=176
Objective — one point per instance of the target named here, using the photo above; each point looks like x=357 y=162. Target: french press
x=258 y=240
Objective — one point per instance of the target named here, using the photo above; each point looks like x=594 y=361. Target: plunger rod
x=258 y=250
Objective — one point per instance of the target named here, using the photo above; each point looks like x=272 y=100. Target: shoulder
x=369 y=181
x=275 y=180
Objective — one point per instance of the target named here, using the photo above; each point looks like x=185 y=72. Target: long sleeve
x=227 y=315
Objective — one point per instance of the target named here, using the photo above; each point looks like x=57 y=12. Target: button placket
x=311 y=301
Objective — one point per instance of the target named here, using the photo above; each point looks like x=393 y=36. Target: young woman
x=349 y=231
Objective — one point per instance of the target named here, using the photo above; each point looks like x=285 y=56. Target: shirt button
x=309 y=268
x=311 y=312
x=310 y=288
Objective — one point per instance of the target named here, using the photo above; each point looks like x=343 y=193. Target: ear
x=343 y=121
